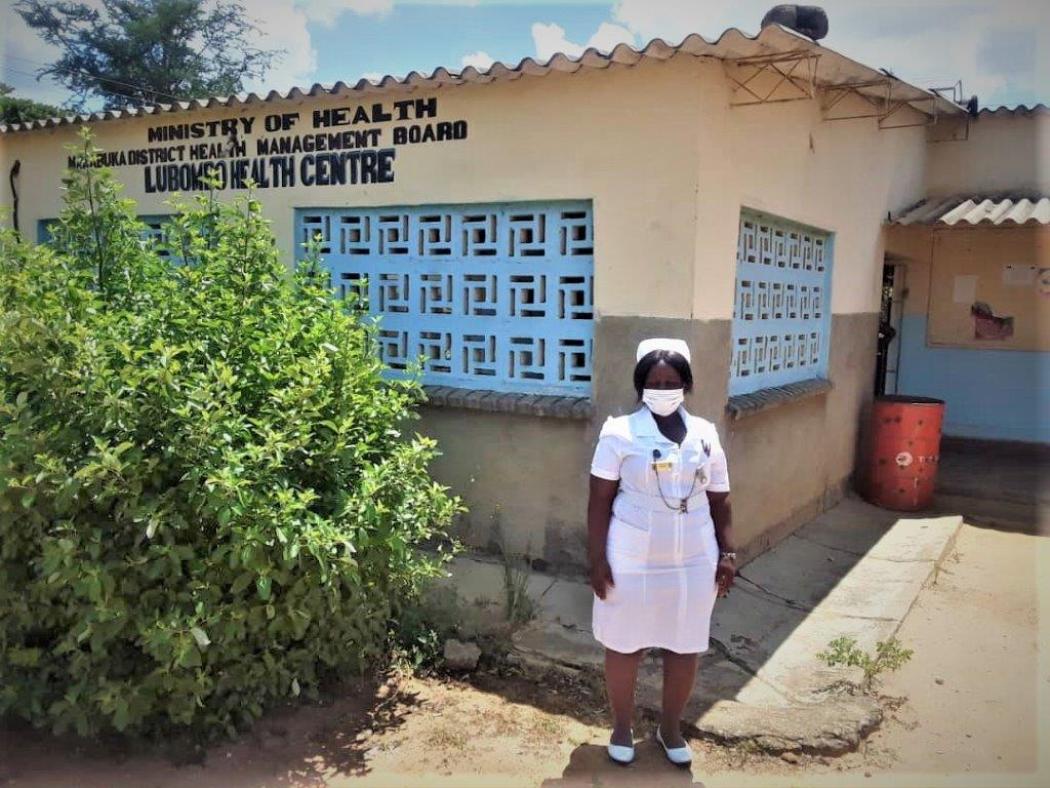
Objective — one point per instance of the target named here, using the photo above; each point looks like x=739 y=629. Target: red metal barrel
x=906 y=447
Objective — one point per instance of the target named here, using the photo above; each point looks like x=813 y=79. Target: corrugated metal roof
x=971 y=210
x=1020 y=109
x=833 y=69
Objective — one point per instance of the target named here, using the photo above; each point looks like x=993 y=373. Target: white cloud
x=608 y=36
x=480 y=60
x=372 y=76
x=671 y=19
x=550 y=39
x=326 y=12
x=997 y=49
x=283 y=25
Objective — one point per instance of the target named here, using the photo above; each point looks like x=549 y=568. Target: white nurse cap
x=647 y=346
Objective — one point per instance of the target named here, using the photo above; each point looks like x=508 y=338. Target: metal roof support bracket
x=793 y=73
x=877 y=106
x=931 y=114
x=880 y=106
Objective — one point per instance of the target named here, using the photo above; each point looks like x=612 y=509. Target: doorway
x=891 y=312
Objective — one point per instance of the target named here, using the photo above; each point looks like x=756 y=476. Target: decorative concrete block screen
x=488 y=296
x=155 y=231
x=782 y=307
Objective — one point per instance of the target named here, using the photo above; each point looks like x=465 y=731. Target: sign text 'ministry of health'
x=343 y=146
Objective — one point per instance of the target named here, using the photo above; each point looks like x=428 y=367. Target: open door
x=891 y=310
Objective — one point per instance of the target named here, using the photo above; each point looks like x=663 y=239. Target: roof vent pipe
x=809 y=20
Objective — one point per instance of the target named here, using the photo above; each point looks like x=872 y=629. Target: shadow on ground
x=589 y=765
x=305 y=745
x=996 y=485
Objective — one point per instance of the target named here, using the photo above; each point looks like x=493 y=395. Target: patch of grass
x=889 y=656
x=449 y=736
x=521 y=608
x=548 y=729
x=504 y=724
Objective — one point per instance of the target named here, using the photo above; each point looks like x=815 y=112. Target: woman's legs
x=679 y=675
x=621 y=673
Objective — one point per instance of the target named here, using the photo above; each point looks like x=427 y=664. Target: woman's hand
x=599 y=515
x=724 y=575
x=601 y=577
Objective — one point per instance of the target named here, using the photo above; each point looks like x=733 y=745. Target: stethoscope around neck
x=683 y=503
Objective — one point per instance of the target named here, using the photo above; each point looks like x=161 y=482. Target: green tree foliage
x=134 y=52
x=22 y=110
x=207 y=499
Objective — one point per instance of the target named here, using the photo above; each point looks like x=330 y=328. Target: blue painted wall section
x=990 y=394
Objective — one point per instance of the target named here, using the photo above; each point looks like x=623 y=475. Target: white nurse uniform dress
x=662 y=549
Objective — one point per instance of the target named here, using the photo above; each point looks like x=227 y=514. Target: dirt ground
x=963 y=711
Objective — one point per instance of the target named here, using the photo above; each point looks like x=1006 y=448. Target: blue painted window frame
x=495 y=296
x=782 y=303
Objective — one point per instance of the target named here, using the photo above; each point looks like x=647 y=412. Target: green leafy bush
x=207 y=502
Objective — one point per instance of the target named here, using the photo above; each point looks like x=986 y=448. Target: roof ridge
x=772 y=39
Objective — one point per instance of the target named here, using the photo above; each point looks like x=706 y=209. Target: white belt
x=666 y=504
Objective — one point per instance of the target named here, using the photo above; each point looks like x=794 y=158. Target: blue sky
x=424 y=36
x=1000 y=50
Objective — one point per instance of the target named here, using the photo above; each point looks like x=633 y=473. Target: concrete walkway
x=854 y=571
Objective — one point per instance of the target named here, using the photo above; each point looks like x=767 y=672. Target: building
x=523 y=227
x=974 y=259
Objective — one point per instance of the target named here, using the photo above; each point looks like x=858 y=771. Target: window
x=782 y=308
x=491 y=296
x=154 y=232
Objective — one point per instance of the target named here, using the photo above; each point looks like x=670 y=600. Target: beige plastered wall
x=989 y=394
x=668 y=165
x=624 y=139
x=840 y=176
x=989 y=154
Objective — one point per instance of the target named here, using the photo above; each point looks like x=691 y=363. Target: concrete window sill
x=744 y=405
x=503 y=402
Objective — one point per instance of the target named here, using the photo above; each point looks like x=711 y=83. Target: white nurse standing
x=660 y=542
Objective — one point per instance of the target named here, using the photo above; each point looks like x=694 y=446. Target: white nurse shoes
x=679 y=756
x=620 y=753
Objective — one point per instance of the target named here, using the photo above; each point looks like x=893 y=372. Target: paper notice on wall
x=1017 y=275
x=964 y=290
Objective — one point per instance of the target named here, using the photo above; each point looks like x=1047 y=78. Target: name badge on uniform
x=666 y=465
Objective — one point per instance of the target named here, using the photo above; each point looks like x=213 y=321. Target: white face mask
x=663 y=402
